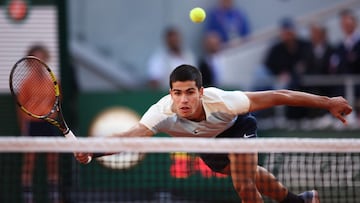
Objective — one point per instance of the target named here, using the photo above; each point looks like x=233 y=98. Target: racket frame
x=60 y=121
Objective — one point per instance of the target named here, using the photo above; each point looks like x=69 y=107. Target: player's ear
x=201 y=91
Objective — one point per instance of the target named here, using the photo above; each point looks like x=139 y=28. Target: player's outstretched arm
x=139 y=130
x=337 y=106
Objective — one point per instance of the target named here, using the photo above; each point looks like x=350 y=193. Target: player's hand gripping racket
x=37 y=93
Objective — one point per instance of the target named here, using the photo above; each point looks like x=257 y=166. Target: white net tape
x=165 y=144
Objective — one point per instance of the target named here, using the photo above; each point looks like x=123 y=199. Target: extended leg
x=251 y=180
x=243 y=168
x=268 y=185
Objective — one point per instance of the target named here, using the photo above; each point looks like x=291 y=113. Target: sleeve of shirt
x=237 y=101
x=151 y=118
x=159 y=117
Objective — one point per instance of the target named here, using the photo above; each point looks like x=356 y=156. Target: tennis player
x=193 y=111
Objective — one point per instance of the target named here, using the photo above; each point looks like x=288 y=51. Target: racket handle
x=70 y=135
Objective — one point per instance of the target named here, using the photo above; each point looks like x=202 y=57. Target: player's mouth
x=184 y=109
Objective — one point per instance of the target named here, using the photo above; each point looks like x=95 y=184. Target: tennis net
x=171 y=170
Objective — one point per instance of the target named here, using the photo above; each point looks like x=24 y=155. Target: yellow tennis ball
x=197 y=15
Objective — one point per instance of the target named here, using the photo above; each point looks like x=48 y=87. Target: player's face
x=186 y=98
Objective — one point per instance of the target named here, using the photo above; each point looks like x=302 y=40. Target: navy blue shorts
x=245 y=126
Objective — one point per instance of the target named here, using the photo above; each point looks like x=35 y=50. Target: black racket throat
x=58 y=120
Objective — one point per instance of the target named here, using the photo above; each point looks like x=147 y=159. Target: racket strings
x=34 y=87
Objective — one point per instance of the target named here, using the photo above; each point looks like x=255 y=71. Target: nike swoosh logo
x=248 y=136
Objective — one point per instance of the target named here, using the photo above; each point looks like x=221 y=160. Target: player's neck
x=200 y=115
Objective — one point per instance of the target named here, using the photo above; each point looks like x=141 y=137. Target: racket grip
x=70 y=135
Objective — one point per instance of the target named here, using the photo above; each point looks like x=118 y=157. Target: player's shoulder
x=164 y=100
x=216 y=94
x=164 y=104
x=214 y=91
x=235 y=101
x=213 y=94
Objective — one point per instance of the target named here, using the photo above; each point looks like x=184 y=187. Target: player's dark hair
x=184 y=73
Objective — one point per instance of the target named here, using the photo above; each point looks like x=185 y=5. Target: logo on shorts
x=249 y=136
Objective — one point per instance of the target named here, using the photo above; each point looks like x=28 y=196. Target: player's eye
x=190 y=92
x=177 y=93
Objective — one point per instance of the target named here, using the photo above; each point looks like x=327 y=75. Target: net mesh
x=171 y=169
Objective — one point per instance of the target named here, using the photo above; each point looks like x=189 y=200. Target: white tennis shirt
x=221 y=109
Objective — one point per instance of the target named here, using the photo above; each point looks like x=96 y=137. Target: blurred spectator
x=318 y=61
x=285 y=58
x=285 y=61
x=35 y=127
x=208 y=64
x=169 y=56
x=318 y=58
x=348 y=51
x=229 y=22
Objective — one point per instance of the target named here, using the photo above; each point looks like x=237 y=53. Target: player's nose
x=184 y=99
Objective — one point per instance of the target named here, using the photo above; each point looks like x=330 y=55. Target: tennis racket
x=37 y=92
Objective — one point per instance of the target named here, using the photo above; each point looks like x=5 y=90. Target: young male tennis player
x=193 y=111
